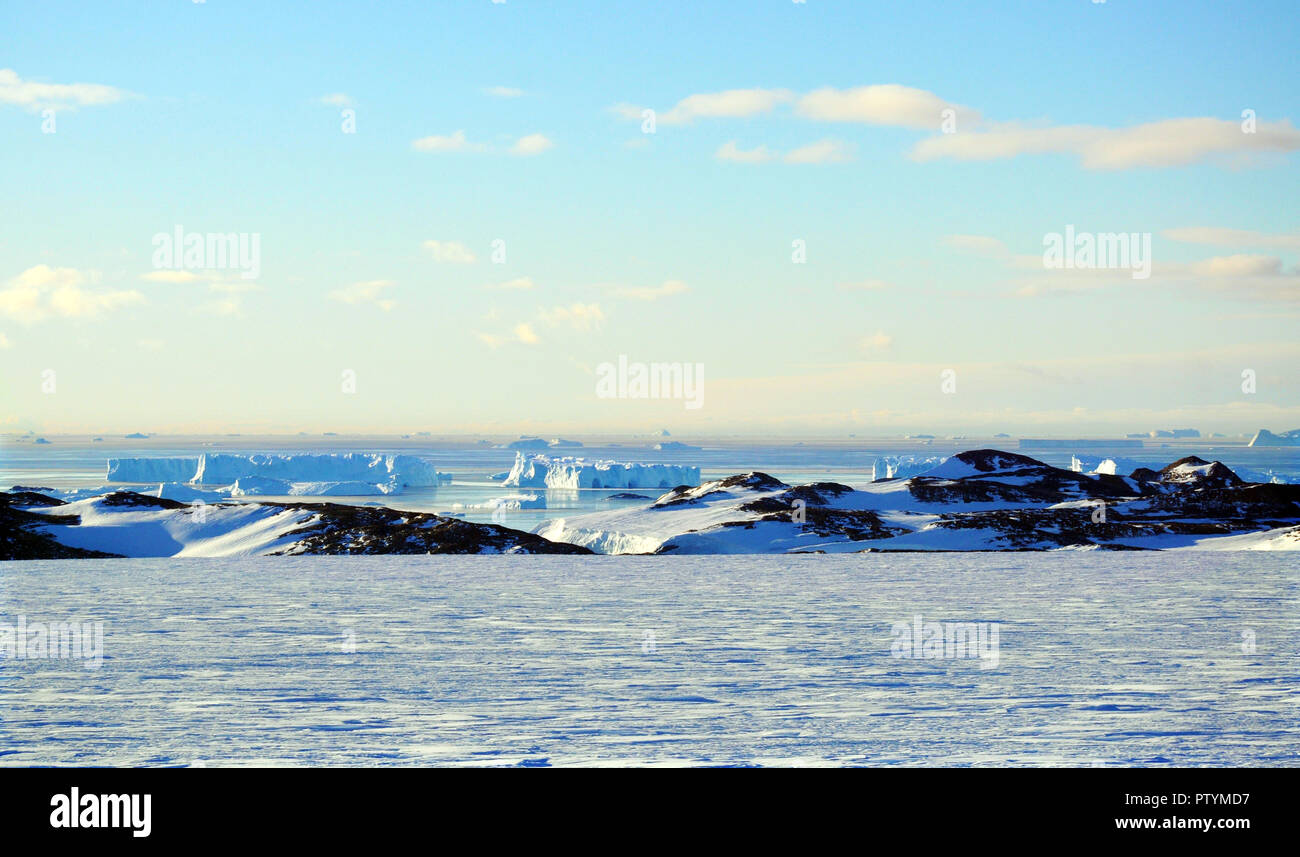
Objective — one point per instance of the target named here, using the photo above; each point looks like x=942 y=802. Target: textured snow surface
x=544 y=471
x=1105 y=659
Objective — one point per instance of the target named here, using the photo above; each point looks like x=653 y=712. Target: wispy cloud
x=42 y=292
x=456 y=142
x=883 y=104
x=336 y=99
x=729 y=104
x=452 y=252
x=533 y=144
x=578 y=315
x=731 y=152
x=1167 y=143
x=504 y=92
x=516 y=284
x=368 y=292
x=525 y=334
x=1234 y=237
x=36 y=96
x=821 y=152
x=879 y=104
x=651 y=293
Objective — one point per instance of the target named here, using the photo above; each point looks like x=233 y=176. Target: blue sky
x=776 y=122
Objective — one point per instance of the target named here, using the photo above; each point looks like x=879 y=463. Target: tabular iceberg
x=151 y=469
x=300 y=475
x=542 y=471
x=222 y=468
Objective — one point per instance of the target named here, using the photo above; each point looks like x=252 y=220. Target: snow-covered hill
x=978 y=500
x=123 y=523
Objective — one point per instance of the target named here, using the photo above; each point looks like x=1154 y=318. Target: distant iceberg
x=1103 y=466
x=348 y=474
x=903 y=467
x=1264 y=437
x=527 y=442
x=541 y=471
x=152 y=469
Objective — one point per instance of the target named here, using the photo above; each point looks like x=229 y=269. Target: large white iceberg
x=350 y=473
x=543 y=471
x=253 y=486
x=156 y=470
x=402 y=470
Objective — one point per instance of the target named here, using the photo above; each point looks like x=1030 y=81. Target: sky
x=837 y=218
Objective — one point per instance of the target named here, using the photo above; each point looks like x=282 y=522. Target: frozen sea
x=1104 y=660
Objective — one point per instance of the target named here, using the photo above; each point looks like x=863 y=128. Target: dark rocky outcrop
x=22 y=533
x=365 y=530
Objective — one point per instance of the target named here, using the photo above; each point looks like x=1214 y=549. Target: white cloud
x=515 y=284
x=368 y=292
x=651 y=293
x=980 y=245
x=1240 y=265
x=1167 y=143
x=821 y=152
x=731 y=152
x=41 y=292
x=1234 y=237
x=578 y=315
x=730 y=104
x=35 y=96
x=455 y=143
x=504 y=92
x=533 y=144
x=4 y=341
x=882 y=104
x=452 y=252
x=336 y=99
x=524 y=333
